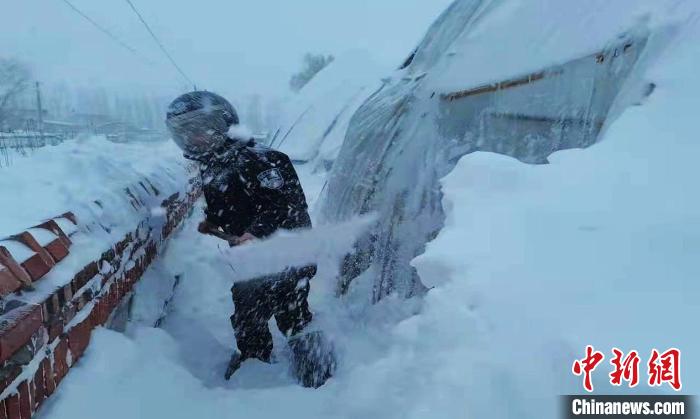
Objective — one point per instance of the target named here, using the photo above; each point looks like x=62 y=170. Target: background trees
x=312 y=64
x=15 y=79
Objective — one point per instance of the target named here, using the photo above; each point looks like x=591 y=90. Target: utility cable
x=108 y=33
x=160 y=44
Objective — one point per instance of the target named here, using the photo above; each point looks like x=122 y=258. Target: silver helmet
x=199 y=121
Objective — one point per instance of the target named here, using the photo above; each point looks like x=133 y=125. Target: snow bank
x=87 y=177
x=599 y=247
x=110 y=188
x=315 y=121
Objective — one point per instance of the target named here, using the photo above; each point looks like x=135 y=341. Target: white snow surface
x=534 y=262
x=73 y=175
x=515 y=37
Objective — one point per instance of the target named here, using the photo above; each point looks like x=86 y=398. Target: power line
x=160 y=44
x=108 y=33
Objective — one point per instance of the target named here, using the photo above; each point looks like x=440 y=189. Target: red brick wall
x=39 y=342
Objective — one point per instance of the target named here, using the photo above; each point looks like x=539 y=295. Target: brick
x=60 y=364
x=59 y=298
x=55 y=328
x=86 y=274
x=36 y=266
x=45 y=316
x=57 y=249
x=103 y=308
x=17 y=329
x=32 y=395
x=25 y=409
x=3 y=410
x=28 y=240
x=46 y=313
x=49 y=385
x=124 y=243
x=109 y=301
x=53 y=227
x=39 y=384
x=79 y=338
x=12 y=405
x=124 y=288
x=131 y=275
x=98 y=315
x=8 y=373
x=8 y=282
x=117 y=292
x=94 y=317
x=113 y=298
x=14 y=267
x=53 y=305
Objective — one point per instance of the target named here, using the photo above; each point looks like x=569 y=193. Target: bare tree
x=313 y=63
x=15 y=78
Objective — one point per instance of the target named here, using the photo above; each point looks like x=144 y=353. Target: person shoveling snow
x=252 y=191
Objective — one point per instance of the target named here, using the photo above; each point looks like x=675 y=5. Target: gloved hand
x=205 y=227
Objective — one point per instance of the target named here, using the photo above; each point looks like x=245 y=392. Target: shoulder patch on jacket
x=271 y=179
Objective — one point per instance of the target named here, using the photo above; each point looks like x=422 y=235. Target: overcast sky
x=233 y=46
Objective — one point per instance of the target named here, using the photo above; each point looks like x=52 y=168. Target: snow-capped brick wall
x=36 y=251
x=45 y=323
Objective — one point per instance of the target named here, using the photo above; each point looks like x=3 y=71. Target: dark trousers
x=282 y=295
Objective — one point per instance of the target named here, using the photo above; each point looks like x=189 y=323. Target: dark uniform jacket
x=252 y=189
